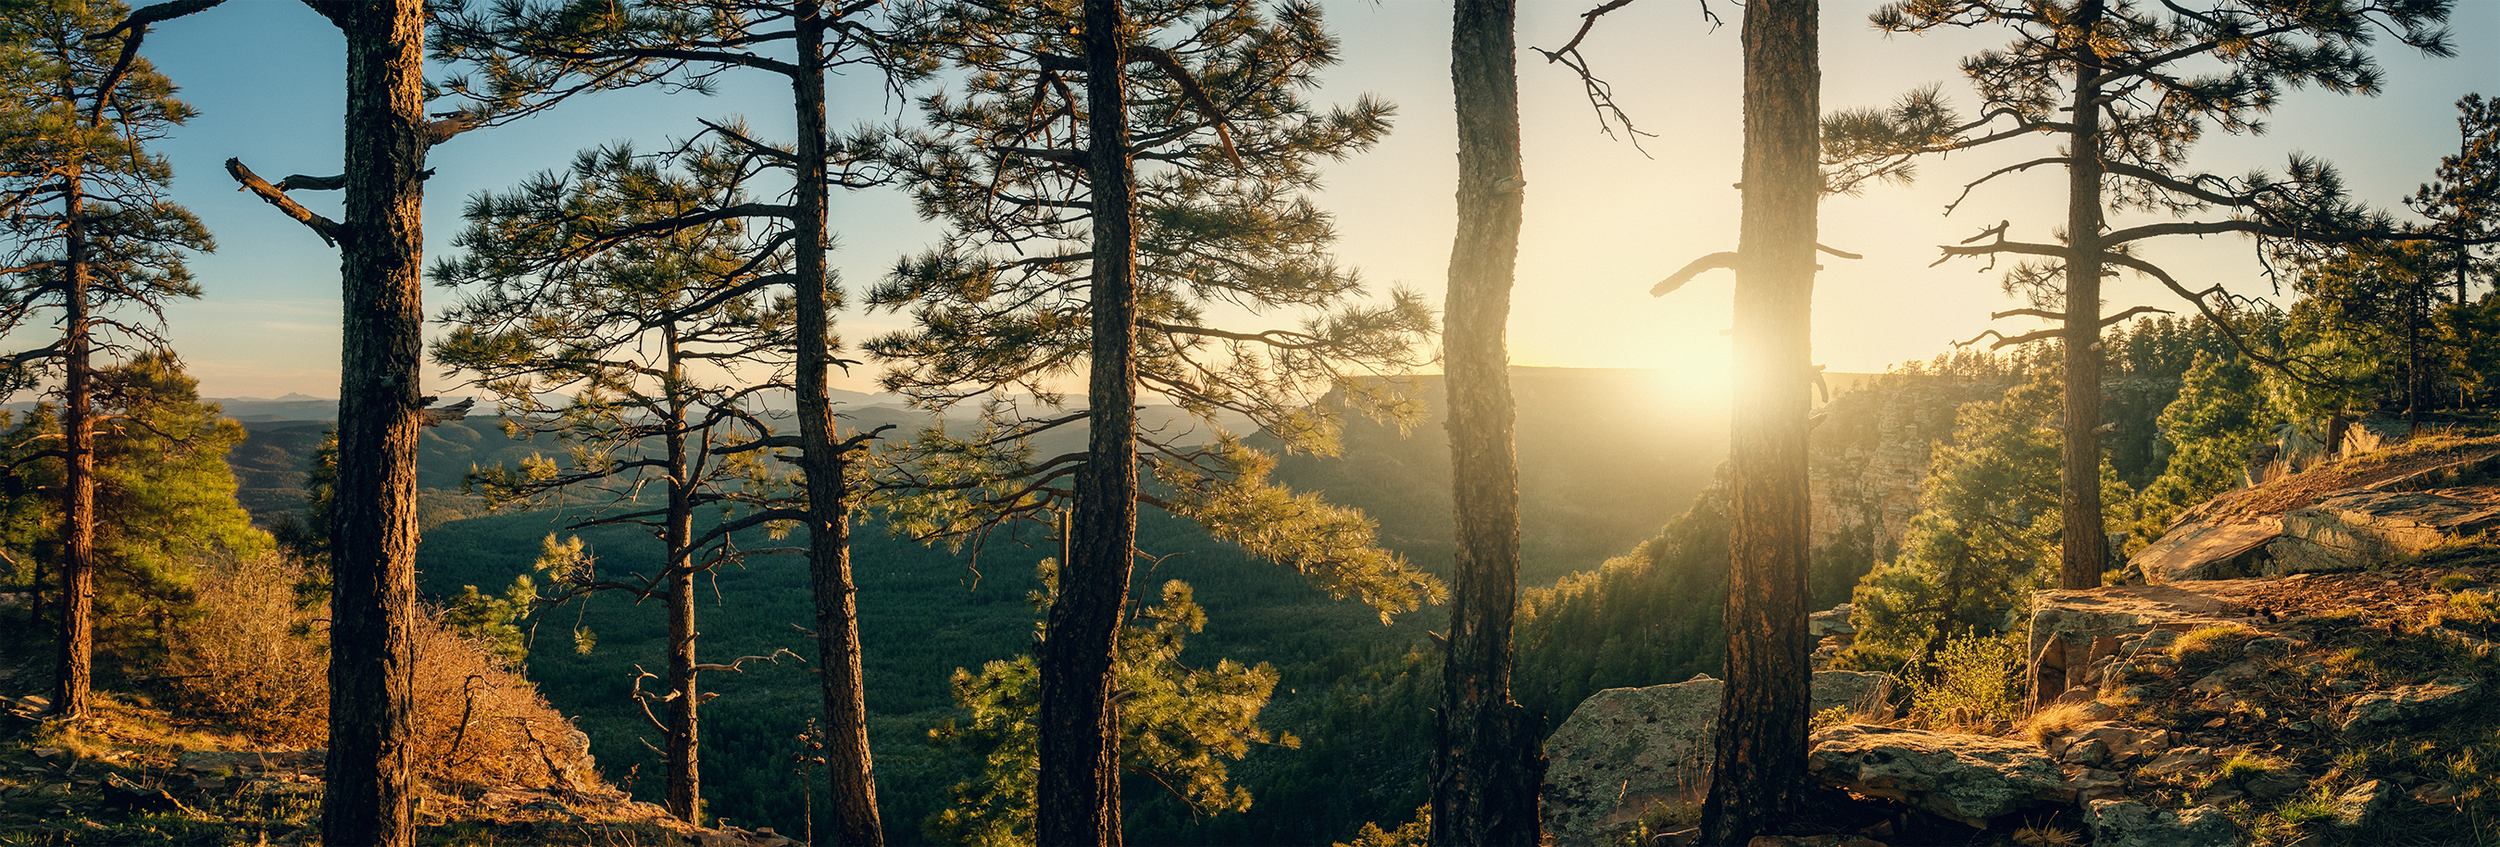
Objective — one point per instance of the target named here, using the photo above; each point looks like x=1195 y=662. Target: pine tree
x=591 y=331
x=1101 y=233
x=2221 y=412
x=2141 y=83
x=2463 y=197
x=1987 y=529
x=90 y=242
x=1487 y=767
x=526 y=47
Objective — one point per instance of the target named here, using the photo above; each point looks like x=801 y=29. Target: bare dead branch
x=1677 y=280
x=329 y=230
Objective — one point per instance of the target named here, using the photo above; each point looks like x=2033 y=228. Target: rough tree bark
x=1487 y=767
x=1761 y=746
x=685 y=776
x=373 y=531
x=1080 y=778
x=2085 y=546
x=850 y=772
x=74 y=673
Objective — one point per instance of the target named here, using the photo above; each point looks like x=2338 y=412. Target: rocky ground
x=2323 y=678
x=135 y=775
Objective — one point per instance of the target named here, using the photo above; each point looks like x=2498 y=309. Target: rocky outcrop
x=2383 y=709
x=2076 y=636
x=2124 y=823
x=1625 y=750
x=1967 y=778
x=2355 y=530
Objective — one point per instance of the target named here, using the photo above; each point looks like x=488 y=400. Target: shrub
x=254 y=660
x=1973 y=687
x=249 y=657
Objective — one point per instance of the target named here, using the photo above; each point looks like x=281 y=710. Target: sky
x=1604 y=220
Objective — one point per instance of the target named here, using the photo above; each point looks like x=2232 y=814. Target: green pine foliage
x=1227 y=152
x=1984 y=538
x=1180 y=726
x=2221 y=413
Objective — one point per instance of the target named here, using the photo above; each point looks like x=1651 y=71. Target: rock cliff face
x=2364 y=511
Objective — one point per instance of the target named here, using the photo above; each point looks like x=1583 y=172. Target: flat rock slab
x=2199 y=551
x=2432 y=699
x=2361 y=528
x=1625 y=750
x=1967 y=778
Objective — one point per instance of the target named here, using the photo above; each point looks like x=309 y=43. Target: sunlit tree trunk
x=74 y=673
x=1487 y=765
x=1080 y=727
x=685 y=776
x=850 y=771
x=2085 y=546
x=373 y=534
x=1761 y=744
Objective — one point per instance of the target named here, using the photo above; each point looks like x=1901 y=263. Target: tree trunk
x=75 y=671
x=373 y=532
x=2085 y=546
x=1487 y=767
x=849 y=770
x=1761 y=745
x=1080 y=768
x=685 y=779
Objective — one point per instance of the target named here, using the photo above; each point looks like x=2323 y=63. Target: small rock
x=57 y=789
x=2091 y=784
x=2431 y=699
x=2213 y=683
x=46 y=752
x=2359 y=805
x=2436 y=793
x=2179 y=761
x=2273 y=784
x=2125 y=823
x=2269 y=647
x=2159 y=640
x=2090 y=751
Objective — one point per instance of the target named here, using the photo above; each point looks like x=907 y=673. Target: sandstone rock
x=2177 y=762
x=1966 y=778
x=2091 y=784
x=1624 y=750
x=2215 y=682
x=2080 y=619
x=2430 y=699
x=2359 y=806
x=1832 y=621
x=2199 y=550
x=2356 y=529
x=2125 y=823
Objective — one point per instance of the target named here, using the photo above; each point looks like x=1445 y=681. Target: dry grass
x=254 y=661
x=2058 y=719
x=2210 y=641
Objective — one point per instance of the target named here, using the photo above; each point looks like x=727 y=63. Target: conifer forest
x=1160 y=422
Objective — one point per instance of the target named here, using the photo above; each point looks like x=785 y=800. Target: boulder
x=1625 y=750
x=2093 y=623
x=2200 y=550
x=2431 y=699
x=1967 y=778
x=2356 y=529
x=2125 y=823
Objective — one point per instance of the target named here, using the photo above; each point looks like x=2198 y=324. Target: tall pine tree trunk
x=1761 y=745
x=1080 y=768
x=849 y=770
x=1487 y=767
x=373 y=532
x=2085 y=546
x=685 y=779
x=74 y=673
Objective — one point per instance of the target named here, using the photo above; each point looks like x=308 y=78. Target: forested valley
x=1123 y=510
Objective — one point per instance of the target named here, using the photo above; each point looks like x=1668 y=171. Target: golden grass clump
x=250 y=658
x=2056 y=720
x=2210 y=641
x=253 y=660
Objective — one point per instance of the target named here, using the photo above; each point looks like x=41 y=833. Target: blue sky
x=1603 y=220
